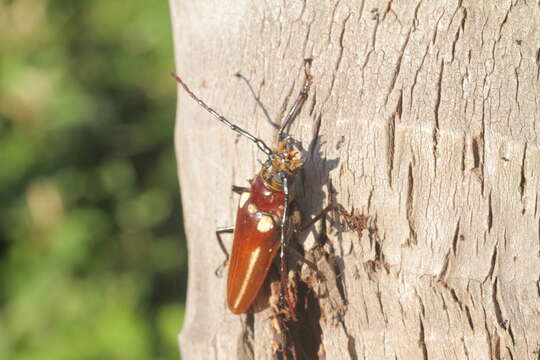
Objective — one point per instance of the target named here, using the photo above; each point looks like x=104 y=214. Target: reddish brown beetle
x=262 y=221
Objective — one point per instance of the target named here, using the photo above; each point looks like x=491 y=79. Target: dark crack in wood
x=412 y=240
x=436 y=111
x=391 y=136
x=422 y=340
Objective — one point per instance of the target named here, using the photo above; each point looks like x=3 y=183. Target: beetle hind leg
x=223 y=230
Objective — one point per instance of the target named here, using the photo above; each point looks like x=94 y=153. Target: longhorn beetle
x=263 y=217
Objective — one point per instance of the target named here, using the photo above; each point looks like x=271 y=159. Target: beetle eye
x=278 y=177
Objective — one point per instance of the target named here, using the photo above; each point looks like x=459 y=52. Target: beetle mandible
x=262 y=220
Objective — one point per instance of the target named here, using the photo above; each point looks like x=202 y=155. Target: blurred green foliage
x=92 y=261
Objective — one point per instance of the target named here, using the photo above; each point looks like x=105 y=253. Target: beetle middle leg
x=298 y=228
x=240 y=189
x=296 y=220
x=223 y=230
x=227 y=230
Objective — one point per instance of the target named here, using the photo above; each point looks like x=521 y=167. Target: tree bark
x=424 y=116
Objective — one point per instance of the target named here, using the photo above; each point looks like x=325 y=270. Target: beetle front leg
x=301 y=228
x=222 y=230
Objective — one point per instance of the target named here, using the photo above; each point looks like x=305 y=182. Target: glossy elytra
x=263 y=207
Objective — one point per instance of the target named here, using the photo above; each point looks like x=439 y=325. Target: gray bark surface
x=424 y=116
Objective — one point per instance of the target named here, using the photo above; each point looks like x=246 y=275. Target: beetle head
x=284 y=162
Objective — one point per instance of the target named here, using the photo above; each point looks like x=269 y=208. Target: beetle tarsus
x=219 y=270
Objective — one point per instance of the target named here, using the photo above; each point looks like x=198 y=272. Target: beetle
x=263 y=217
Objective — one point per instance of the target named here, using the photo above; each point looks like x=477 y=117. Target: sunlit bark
x=424 y=116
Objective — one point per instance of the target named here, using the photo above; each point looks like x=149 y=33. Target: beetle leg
x=302 y=228
x=222 y=230
x=240 y=189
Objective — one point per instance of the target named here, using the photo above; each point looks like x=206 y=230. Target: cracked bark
x=445 y=165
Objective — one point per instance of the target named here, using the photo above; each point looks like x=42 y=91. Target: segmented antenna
x=300 y=100
x=260 y=144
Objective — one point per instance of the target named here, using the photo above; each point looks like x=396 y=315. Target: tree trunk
x=424 y=116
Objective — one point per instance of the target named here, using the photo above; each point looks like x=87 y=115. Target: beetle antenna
x=300 y=100
x=260 y=144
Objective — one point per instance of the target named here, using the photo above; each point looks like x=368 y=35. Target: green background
x=92 y=254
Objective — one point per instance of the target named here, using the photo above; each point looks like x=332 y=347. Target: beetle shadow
x=316 y=191
x=314 y=178
x=257 y=99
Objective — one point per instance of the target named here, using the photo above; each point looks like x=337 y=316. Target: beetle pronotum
x=264 y=207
